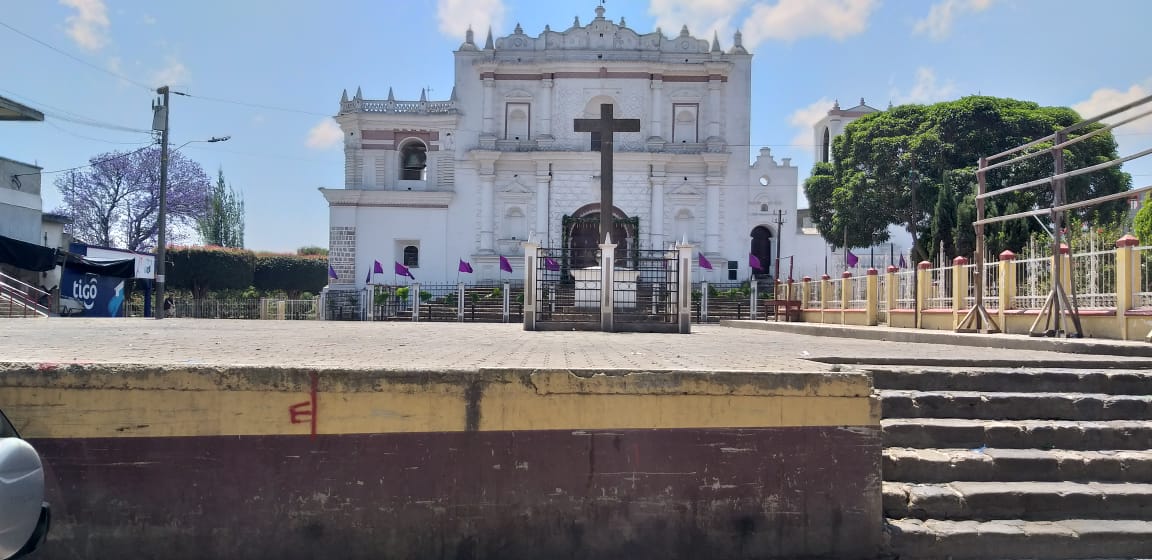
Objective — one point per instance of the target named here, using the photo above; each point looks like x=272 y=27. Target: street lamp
x=161 y=253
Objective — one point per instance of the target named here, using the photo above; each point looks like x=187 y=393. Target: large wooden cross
x=606 y=125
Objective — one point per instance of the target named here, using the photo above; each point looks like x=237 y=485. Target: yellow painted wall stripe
x=256 y=402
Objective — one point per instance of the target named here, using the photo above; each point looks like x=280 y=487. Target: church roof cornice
x=604 y=38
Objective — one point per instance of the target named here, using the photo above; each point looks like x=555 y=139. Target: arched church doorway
x=762 y=248
x=581 y=237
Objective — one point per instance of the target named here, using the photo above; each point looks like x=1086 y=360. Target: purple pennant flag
x=505 y=265
x=754 y=261
x=377 y=268
x=368 y=279
x=332 y=273
x=465 y=266
x=703 y=261
x=402 y=270
x=850 y=259
x=903 y=263
x=551 y=264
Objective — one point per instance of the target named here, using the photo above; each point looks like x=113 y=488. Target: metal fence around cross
x=565 y=294
x=647 y=290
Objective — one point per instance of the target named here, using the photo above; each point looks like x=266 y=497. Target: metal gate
x=566 y=298
x=646 y=291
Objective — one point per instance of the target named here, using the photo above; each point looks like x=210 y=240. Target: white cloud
x=148 y=20
x=455 y=16
x=89 y=26
x=325 y=135
x=938 y=23
x=803 y=118
x=789 y=20
x=703 y=17
x=925 y=90
x=1106 y=99
x=172 y=74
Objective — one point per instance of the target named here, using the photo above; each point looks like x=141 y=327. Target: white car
x=70 y=306
x=24 y=515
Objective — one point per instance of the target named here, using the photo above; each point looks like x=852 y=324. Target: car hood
x=21 y=493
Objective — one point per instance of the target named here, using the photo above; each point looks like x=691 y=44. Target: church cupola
x=738 y=44
x=469 y=41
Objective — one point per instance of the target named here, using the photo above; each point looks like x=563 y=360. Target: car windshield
x=6 y=427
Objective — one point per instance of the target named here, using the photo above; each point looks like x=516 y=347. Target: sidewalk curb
x=1002 y=341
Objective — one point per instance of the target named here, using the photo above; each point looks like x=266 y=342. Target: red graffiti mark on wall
x=308 y=410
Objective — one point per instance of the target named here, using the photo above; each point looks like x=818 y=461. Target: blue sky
x=269 y=74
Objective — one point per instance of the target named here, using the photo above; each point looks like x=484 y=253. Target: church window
x=515 y=224
x=685 y=225
x=733 y=269
x=413 y=161
x=595 y=141
x=516 y=119
x=685 y=128
x=412 y=256
x=826 y=148
x=763 y=207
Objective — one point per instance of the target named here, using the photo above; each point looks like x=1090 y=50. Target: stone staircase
x=1051 y=463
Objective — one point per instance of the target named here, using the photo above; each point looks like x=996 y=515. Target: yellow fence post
x=923 y=290
x=872 y=298
x=1127 y=280
x=891 y=290
x=805 y=291
x=825 y=295
x=845 y=295
x=1065 y=268
x=1007 y=284
x=959 y=290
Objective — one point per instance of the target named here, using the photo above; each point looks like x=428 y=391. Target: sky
x=270 y=74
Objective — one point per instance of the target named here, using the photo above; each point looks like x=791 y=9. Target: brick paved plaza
x=465 y=346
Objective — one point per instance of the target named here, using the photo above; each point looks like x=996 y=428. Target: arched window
x=826 y=148
x=413 y=161
x=685 y=225
x=514 y=224
x=412 y=256
x=763 y=207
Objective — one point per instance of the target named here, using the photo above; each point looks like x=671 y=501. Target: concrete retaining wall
x=262 y=462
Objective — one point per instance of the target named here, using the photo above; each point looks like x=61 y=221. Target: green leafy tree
x=944 y=223
x=835 y=214
x=889 y=167
x=222 y=223
x=201 y=269
x=1142 y=225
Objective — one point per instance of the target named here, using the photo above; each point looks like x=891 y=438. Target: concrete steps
x=1029 y=501
x=1014 y=406
x=1012 y=463
x=1016 y=465
x=1016 y=434
x=1049 y=540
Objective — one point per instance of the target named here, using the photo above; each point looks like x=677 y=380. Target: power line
x=254 y=105
x=76 y=58
x=90 y=164
x=66 y=115
x=69 y=132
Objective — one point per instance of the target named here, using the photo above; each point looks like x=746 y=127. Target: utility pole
x=779 y=234
x=160 y=119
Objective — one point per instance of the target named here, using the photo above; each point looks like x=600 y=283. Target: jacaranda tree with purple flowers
x=114 y=202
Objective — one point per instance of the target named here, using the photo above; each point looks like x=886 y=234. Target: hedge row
x=203 y=269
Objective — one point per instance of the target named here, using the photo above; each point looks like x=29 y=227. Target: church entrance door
x=762 y=248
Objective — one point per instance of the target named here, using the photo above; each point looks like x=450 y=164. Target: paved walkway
x=467 y=346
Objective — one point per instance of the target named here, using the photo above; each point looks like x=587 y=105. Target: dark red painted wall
x=630 y=494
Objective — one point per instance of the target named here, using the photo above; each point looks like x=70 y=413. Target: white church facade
x=430 y=183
